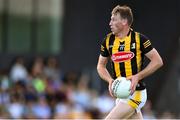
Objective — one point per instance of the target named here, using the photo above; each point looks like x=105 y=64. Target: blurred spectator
x=52 y=70
x=81 y=95
x=18 y=91
x=104 y=103
x=4 y=97
x=30 y=94
x=39 y=84
x=3 y=112
x=5 y=82
x=62 y=110
x=70 y=110
x=16 y=107
x=178 y=117
x=62 y=107
x=28 y=110
x=147 y=111
x=37 y=67
x=41 y=109
x=71 y=78
x=18 y=71
x=4 y=90
x=167 y=115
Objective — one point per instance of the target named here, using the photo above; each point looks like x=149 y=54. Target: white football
x=121 y=87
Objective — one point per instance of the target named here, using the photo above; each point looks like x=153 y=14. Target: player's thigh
x=121 y=111
x=137 y=115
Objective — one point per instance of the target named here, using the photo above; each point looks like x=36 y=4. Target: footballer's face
x=116 y=23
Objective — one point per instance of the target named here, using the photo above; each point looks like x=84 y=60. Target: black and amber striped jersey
x=127 y=54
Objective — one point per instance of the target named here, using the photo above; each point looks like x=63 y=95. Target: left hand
x=134 y=81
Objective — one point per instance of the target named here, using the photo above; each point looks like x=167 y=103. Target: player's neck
x=123 y=33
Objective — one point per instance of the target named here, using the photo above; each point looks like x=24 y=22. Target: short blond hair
x=125 y=12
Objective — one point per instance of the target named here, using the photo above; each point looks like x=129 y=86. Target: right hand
x=110 y=88
x=134 y=81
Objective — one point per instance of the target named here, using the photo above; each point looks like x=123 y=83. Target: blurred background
x=49 y=51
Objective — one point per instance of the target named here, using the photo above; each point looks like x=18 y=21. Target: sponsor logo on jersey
x=122 y=56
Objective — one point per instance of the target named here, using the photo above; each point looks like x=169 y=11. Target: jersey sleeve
x=146 y=45
x=104 y=51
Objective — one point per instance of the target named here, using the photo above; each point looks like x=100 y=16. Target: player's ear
x=124 y=21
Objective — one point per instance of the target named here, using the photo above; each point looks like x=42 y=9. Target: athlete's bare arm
x=103 y=72
x=155 y=63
